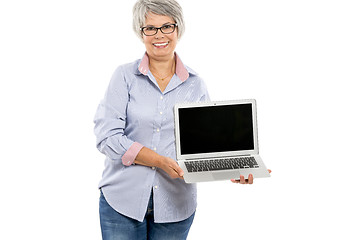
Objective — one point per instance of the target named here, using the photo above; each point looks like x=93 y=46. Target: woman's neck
x=162 y=67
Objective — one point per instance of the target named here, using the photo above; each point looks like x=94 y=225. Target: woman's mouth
x=161 y=45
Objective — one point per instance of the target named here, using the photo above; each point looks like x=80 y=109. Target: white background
x=299 y=59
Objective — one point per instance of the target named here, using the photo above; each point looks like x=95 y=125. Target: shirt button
x=161 y=97
x=161 y=112
x=154 y=148
x=156 y=187
x=158 y=130
x=153 y=168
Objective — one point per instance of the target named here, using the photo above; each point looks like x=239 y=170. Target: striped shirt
x=136 y=113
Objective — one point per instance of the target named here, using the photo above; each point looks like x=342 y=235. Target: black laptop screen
x=216 y=129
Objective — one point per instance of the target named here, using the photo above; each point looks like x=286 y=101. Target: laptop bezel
x=180 y=156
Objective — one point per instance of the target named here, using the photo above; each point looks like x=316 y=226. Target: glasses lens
x=168 y=28
x=149 y=31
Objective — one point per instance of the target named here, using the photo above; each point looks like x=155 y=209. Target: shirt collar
x=181 y=70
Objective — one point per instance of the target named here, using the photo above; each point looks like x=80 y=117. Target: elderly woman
x=143 y=195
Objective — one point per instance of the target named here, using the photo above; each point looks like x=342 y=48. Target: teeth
x=160 y=44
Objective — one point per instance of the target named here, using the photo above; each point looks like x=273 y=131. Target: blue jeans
x=115 y=226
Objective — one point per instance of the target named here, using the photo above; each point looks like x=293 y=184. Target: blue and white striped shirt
x=136 y=113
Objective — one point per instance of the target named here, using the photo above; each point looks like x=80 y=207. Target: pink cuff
x=129 y=157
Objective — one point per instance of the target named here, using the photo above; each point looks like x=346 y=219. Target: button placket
x=158 y=122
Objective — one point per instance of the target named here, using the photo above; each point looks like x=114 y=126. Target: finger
x=250 y=179
x=235 y=180
x=181 y=172
x=242 y=179
x=178 y=170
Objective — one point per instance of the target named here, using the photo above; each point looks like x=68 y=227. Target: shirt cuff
x=129 y=157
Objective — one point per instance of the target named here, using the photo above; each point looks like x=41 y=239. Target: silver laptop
x=218 y=140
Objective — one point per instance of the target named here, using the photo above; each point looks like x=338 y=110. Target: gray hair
x=170 y=8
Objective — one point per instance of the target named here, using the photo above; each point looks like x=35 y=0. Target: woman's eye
x=166 y=27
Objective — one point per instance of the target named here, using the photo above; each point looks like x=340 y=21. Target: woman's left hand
x=242 y=179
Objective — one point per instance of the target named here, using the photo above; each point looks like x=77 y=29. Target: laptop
x=218 y=140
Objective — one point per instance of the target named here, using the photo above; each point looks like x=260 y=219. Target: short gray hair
x=170 y=8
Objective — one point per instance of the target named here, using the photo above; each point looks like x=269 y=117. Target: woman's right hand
x=171 y=167
x=150 y=158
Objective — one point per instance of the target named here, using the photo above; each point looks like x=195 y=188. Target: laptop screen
x=219 y=128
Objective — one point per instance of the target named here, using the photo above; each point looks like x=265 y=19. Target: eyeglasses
x=166 y=29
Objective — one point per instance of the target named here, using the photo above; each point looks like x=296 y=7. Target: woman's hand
x=171 y=167
x=147 y=157
x=242 y=179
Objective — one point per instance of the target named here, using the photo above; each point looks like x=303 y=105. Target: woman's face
x=160 y=46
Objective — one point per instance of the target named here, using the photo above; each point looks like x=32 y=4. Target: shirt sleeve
x=110 y=122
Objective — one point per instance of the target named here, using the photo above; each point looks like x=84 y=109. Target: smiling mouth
x=161 y=44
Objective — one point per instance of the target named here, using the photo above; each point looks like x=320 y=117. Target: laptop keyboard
x=221 y=164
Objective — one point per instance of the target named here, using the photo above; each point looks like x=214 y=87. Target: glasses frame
x=159 y=28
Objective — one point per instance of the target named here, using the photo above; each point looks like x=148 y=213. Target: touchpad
x=225 y=175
